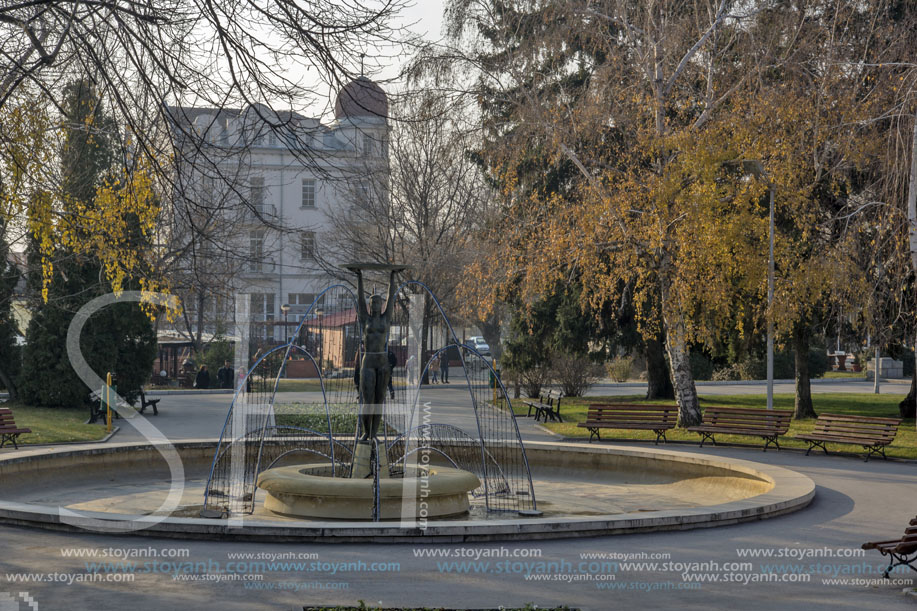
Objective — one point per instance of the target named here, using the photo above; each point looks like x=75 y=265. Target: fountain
x=444 y=463
x=417 y=469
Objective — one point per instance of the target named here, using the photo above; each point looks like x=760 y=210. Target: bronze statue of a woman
x=375 y=323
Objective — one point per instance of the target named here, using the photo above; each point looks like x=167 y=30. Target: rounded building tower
x=361 y=110
x=361 y=99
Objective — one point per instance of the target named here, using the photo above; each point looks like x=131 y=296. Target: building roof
x=361 y=98
x=336 y=319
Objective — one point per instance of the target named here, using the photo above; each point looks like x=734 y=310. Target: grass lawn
x=573 y=411
x=300 y=385
x=54 y=425
x=841 y=375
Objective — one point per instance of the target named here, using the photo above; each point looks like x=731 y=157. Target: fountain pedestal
x=310 y=491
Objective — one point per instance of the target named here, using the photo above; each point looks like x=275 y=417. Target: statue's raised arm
x=390 y=302
x=362 y=310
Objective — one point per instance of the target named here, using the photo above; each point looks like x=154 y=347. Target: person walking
x=410 y=367
x=444 y=367
x=392 y=363
x=225 y=375
x=202 y=380
x=434 y=369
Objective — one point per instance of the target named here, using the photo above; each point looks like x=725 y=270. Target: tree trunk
x=424 y=339
x=877 y=370
x=10 y=386
x=682 y=379
x=658 y=378
x=912 y=217
x=908 y=406
x=490 y=329
x=804 y=408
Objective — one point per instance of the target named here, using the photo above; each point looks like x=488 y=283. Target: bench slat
x=860 y=419
x=632 y=406
x=745 y=410
x=632 y=420
x=855 y=429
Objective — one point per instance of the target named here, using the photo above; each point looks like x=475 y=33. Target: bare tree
x=420 y=204
x=154 y=61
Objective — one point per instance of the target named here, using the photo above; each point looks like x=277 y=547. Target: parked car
x=478 y=343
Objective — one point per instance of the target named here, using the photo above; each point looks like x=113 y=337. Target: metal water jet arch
x=490 y=464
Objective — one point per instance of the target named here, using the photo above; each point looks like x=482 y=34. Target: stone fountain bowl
x=311 y=491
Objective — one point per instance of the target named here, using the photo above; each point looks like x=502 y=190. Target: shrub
x=733 y=372
x=574 y=373
x=534 y=379
x=755 y=368
x=701 y=366
x=619 y=368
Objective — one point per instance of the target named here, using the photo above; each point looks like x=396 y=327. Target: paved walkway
x=855 y=502
x=188 y=416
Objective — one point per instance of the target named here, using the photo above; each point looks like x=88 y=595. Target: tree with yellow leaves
x=88 y=229
x=661 y=107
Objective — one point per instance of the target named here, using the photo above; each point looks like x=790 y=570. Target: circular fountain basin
x=582 y=491
x=311 y=491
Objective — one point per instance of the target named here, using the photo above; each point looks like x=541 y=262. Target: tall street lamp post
x=285 y=308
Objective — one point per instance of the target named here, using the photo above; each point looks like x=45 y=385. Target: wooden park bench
x=8 y=429
x=96 y=408
x=768 y=424
x=97 y=411
x=145 y=403
x=656 y=418
x=547 y=406
x=900 y=552
x=871 y=433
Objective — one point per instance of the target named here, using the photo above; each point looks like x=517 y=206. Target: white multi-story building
x=276 y=181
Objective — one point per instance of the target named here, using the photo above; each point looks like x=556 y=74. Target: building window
x=224 y=130
x=256 y=193
x=367 y=145
x=308 y=193
x=262 y=313
x=307 y=243
x=256 y=250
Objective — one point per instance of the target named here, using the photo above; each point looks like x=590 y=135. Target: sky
x=425 y=17
x=420 y=17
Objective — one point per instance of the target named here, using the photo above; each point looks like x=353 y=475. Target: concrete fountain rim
x=792 y=491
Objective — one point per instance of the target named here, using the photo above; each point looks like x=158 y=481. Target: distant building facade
x=275 y=181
